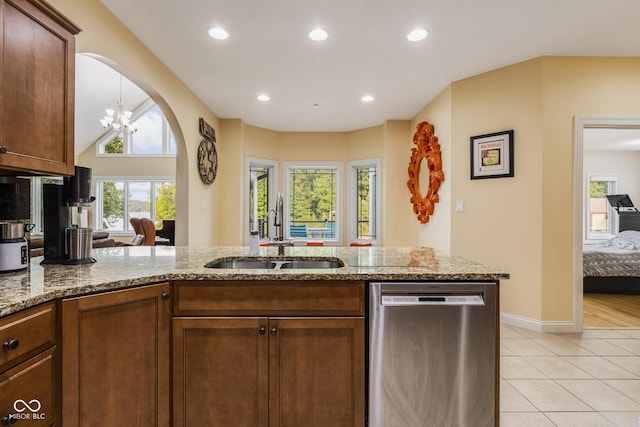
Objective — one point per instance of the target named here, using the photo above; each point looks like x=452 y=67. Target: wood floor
x=611 y=311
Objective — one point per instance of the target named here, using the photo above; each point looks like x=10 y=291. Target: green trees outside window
x=120 y=200
x=313 y=199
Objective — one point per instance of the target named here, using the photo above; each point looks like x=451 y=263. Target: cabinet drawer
x=24 y=334
x=28 y=392
x=267 y=298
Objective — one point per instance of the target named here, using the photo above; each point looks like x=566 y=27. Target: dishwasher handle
x=432 y=299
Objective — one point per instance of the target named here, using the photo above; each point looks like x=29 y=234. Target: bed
x=613 y=266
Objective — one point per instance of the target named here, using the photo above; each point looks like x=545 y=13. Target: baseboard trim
x=538 y=325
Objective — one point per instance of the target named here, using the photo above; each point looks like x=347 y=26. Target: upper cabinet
x=36 y=88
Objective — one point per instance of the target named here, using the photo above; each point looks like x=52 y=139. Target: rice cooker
x=14 y=249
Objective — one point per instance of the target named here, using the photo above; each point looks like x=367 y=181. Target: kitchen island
x=125 y=267
x=203 y=346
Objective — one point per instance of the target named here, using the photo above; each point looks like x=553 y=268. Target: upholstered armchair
x=149 y=231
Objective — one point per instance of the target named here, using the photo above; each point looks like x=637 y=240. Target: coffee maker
x=64 y=242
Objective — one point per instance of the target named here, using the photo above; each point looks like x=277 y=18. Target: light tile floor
x=566 y=380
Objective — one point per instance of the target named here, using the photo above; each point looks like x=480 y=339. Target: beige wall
x=573 y=86
x=501 y=223
x=437 y=232
x=104 y=35
x=250 y=141
x=126 y=166
x=524 y=224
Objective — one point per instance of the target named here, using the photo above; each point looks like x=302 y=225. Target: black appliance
x=15 y=199
x=59 y=232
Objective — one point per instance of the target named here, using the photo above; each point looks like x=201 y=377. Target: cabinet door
x=316 y=372
x=115 y=358
x=37 y=96
x=28 y=392
x=220 y=372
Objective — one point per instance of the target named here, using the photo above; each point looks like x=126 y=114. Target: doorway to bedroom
x=608 y=252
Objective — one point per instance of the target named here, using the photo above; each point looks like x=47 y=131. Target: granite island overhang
x=126 y=267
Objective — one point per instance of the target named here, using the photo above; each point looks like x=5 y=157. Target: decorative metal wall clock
x=207 y=161
x=207 y=153
x=426 y=153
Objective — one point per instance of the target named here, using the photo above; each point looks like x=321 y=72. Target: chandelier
x=119 y=120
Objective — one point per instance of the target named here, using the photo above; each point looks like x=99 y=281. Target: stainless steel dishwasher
x=432 y=354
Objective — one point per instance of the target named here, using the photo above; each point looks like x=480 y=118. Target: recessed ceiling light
x=318 y=34
x=264 y=97
x=218 y=33
x=367 y=98
x=417 y=35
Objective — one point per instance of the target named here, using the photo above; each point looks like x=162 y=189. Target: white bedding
x=626 y=242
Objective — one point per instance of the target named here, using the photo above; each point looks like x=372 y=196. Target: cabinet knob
x=3 y=149
x=165 y=296
x=262 y=330
x=11 y=344
x=7 y=420
x=274 y=331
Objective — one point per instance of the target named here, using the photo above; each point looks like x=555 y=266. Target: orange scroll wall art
x=427 y=149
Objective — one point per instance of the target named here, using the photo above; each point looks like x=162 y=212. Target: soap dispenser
x=254 y=243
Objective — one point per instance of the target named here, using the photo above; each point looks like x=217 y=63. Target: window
x=118 y=200
x=153 y=138
x=601 y=218
x=313 y=196
x=37 y=206
x=364 y=208
x=262 y=188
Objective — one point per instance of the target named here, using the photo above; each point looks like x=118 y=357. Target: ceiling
x=611 y=139
x=367 y=52
x=98 y=88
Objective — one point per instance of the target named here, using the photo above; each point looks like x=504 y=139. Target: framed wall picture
x=492 y=155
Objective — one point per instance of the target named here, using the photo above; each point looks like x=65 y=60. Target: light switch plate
x=459 y=206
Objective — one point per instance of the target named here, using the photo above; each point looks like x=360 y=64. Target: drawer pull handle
x=11 y=344
x=274 y=331
x=7 y=420
x=262 y=330
x=165 y=296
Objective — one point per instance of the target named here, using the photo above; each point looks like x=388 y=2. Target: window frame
x=352 y=199
x=612 y=216
x=273 y=167
x=98 y=209
x=339 y=168
x=127 y=142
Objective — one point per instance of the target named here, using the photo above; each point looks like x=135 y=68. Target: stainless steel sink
x=239 y=264
x=275 y=263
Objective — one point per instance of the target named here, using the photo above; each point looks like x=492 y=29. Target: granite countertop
x=123 y=267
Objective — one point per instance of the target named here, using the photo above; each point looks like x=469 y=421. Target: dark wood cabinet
x=316 y=372
x=37 y=88
x=245 y=372
x=29 y=367
x=115 y=358
x=269 y=367
x=220 y=372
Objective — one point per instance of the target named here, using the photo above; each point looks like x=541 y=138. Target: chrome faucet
x=278 y=222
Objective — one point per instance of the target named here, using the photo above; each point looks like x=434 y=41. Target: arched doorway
x=148 y=157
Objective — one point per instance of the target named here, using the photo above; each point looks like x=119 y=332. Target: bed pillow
x=628 y=239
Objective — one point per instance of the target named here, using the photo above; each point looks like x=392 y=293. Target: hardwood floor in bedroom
x=611 y=311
